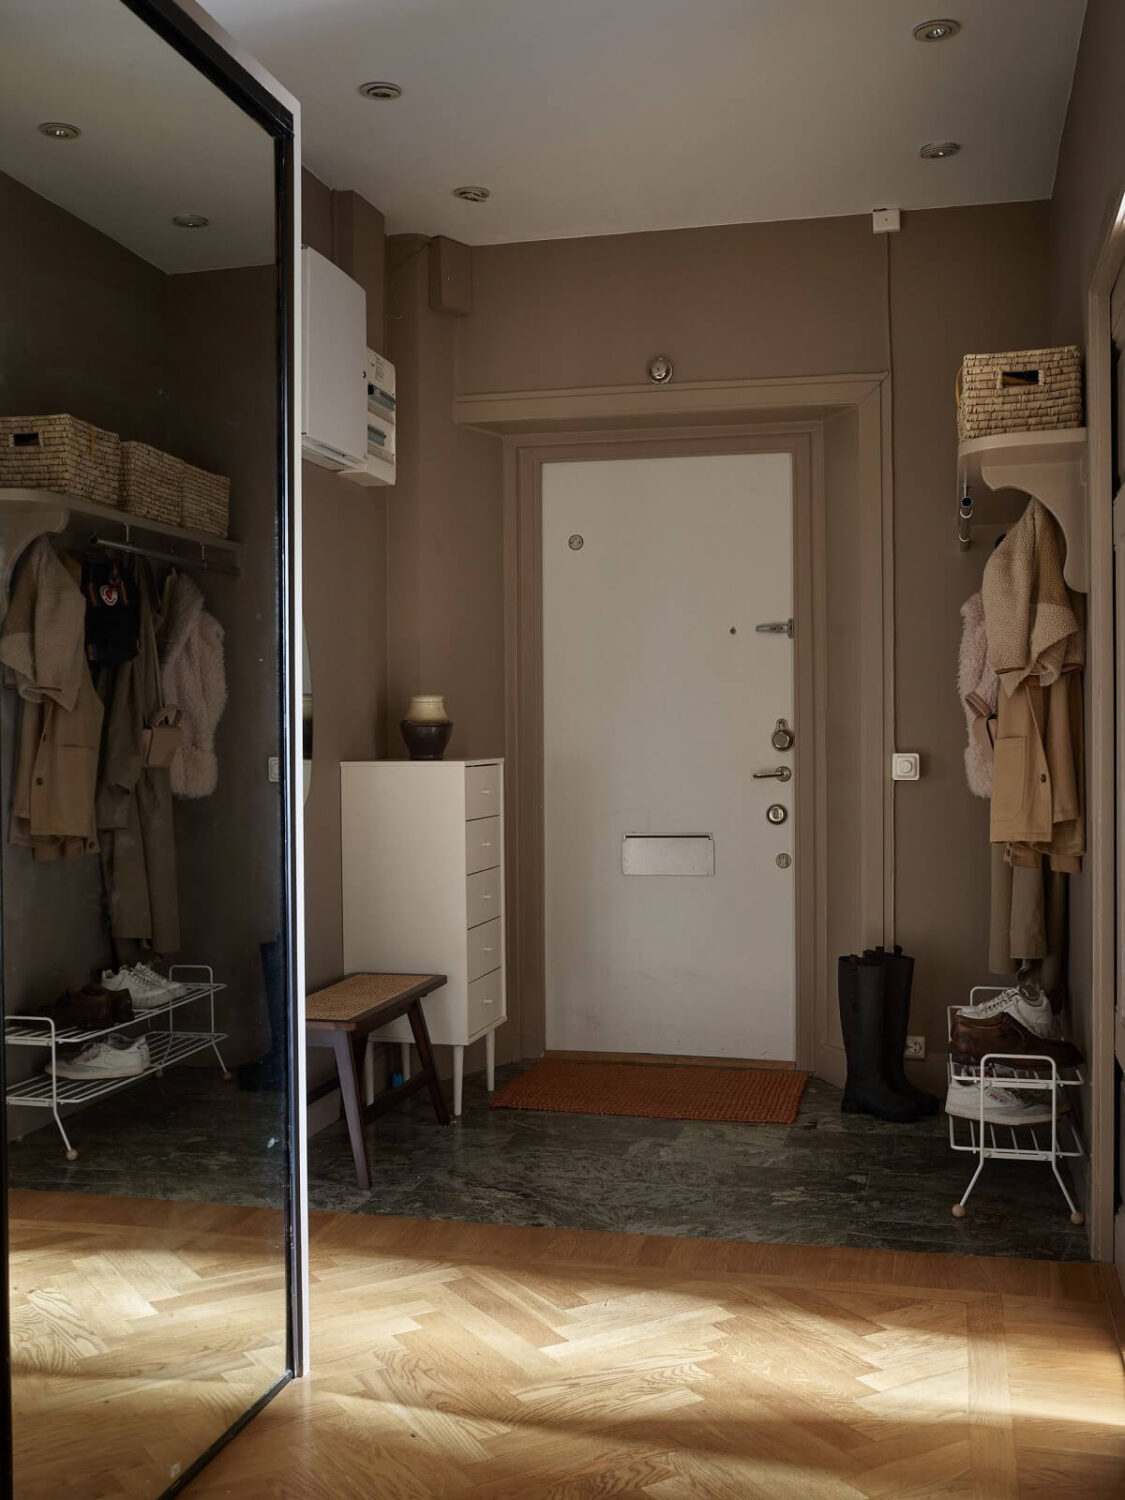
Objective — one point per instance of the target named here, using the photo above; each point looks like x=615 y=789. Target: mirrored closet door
x=146 y=660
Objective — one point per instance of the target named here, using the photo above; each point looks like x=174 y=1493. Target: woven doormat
x=693 y=1093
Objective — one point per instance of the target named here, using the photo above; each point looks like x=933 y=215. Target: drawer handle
x=488 y=1002
x=488 y=950
x=487 y=844
x=486 y=791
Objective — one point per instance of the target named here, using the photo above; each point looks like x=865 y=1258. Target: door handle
x=779 y=773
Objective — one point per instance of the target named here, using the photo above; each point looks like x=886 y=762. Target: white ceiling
x=157 y=138
x=599 y=116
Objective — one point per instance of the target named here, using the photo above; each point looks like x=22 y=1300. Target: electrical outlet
x=915 y=1046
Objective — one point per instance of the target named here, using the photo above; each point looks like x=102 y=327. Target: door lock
x=779 y=773
x=783 y=737
x=775 y=813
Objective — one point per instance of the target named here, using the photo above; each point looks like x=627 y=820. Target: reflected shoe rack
x=166 y=1046
x=1053 y=1141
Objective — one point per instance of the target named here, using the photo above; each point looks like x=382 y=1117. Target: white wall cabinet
x=334 y=368
x=423 y=892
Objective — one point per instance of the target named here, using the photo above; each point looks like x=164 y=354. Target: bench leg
x=490 y=1060
x=426 y=1058
x=345 y=1049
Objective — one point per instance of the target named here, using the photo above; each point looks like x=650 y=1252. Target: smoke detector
x=59 y=130
x=379 y=90
x=190 y=221
x=936 y=150
x=472 y=194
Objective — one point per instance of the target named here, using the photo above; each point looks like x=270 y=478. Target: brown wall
x=445 y=539
x=345 y=565
x=810 y=298
x=1091 y=171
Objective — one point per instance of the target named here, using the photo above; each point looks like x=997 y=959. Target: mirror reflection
x=145 y=1039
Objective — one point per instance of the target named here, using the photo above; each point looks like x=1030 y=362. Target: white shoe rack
x=1052 y=1141
x=167 y=1046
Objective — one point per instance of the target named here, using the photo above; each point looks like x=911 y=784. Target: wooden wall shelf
x=1050 y=466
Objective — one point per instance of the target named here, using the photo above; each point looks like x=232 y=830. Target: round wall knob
x=775 y=813
x=784 y=861
x=782 y=738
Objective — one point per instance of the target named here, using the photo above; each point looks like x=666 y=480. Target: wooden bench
x=342 y=1017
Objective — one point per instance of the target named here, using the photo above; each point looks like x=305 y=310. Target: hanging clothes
x=134 y=802
x=977 y=686
x=43 y=651
x=1036 y=645
x=193 y=672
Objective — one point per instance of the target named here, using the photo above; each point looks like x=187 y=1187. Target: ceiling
x=602 y=116
x=157 y=138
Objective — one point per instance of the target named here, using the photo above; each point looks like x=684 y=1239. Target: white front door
x=660 y=698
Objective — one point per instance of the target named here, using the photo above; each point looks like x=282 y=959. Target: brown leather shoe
x=972 y=1037
x=92 y=1008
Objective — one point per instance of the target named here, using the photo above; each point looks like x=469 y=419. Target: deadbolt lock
x=782 y=738
x=775 y=813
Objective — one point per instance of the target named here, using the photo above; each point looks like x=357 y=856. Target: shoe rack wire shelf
x=166 y=1045
x=1053 y=1140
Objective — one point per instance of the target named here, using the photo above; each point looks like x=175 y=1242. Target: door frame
x=1106 y=779
x=697 y=419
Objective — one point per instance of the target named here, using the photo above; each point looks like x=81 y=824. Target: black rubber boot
x=862 y=1021
x=898 y=967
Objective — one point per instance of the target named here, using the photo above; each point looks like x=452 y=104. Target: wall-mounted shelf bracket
x=1050 y=466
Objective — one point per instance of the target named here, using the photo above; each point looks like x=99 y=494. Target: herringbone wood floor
x=140 y=1331
x=456 y=1360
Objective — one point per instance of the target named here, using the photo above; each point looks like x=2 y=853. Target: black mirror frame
x=200 y=48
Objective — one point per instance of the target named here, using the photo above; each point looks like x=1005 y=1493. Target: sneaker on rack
x=1027 y=1003
x=173 y=989
x=103 y=1060
x=1002 y=1106
x=148 y=990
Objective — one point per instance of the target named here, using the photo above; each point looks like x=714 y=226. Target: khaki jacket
x=1038 y=794
x=43 y=651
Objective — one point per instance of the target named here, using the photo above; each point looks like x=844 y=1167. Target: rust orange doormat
x=742 y=1095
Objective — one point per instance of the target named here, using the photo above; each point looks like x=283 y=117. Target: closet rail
x=183 y=560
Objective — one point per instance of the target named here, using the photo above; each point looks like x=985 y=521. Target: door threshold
x=670 y=1059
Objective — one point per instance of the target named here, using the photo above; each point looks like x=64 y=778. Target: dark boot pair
x=875 y=1019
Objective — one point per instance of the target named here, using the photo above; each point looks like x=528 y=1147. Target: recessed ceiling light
x=59 y=130
x=190 y=221
x=936 y=31
x=472 y=194
x=380 y=90
x=935 y=150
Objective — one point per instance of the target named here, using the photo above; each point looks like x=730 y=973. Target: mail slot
x=668 y=854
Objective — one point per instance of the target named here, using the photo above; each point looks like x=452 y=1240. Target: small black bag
x=113 y=616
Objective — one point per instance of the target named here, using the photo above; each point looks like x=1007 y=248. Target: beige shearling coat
x=43 y=652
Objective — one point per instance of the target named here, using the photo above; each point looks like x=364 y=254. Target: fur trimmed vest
x=193 y=676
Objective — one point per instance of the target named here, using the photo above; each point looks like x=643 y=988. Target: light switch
x=906 y=765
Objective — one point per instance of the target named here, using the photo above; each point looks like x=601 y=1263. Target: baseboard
x=670 y=1059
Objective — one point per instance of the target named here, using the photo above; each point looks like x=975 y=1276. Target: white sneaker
x=105 y=1059
x=174 y=990
x=1027 y=1003
x=1001 y=1106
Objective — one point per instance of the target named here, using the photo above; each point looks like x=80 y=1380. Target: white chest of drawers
x=423 y=891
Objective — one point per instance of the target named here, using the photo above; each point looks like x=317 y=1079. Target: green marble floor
x=828 y=1179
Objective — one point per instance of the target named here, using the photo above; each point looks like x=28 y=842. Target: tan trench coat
x=43 y=651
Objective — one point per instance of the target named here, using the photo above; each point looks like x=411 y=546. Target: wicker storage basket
x=206 y=501
x=60 y=453
x=1027 y=390
x=152 y=483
